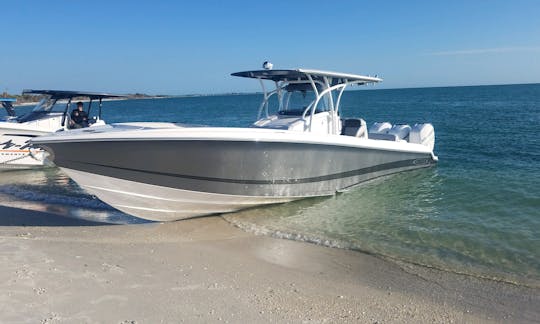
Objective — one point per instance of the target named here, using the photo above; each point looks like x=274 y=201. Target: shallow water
x=476 y=212
x=51 y=191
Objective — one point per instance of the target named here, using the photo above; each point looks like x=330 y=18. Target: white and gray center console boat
x=167 y=172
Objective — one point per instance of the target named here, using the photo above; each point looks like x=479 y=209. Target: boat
x=169 y=171
x=7 y=103
x=16 y=131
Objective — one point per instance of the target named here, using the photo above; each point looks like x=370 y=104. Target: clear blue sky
x=175 y=47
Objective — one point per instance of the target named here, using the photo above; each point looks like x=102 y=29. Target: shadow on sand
x=10 y=216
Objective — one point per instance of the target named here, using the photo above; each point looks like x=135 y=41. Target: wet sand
x=60 y=270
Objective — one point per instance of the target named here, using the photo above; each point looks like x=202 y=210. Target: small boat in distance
x=16 y=131
x=299 y=147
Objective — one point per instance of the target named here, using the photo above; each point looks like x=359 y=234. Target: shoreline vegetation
x=29 y=99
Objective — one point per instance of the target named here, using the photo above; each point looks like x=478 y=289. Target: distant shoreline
x=33 y=103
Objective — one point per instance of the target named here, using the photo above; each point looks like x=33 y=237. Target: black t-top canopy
x=64 y=94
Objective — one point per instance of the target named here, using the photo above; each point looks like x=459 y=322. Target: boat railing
x=323 y=89
x=334 y=108
x=266 y=98
x=280 y=86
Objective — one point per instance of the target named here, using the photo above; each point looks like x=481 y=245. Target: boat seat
x=354 y=127
x=382 y=137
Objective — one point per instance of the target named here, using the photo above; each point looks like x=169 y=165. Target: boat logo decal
x=10 y=144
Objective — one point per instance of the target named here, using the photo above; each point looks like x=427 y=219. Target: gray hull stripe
x=381 y=167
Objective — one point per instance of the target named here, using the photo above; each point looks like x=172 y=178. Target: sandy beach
x=61 y=270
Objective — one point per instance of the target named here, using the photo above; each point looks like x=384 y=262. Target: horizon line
x=401 y=88
x=257 y=92
x=475 y=51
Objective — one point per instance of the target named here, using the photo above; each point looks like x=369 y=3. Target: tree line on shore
x=23 y=98
x=26 y=98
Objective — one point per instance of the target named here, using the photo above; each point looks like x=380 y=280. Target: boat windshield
x=46 y=104
x=296 y=102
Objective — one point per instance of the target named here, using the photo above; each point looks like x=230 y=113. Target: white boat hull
x=159 y=203
x=176 y=173
x=17 y=153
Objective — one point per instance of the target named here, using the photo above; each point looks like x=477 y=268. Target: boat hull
x=171 y=179
x=17 y=153
x=160 y=203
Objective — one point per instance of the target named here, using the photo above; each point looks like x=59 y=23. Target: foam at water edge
x=262 y=230
x=406 y=265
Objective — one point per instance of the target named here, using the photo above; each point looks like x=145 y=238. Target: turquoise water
x=476 y=212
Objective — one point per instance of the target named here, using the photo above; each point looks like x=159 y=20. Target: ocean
x=477 y=212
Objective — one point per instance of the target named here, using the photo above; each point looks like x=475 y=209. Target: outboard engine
x=380 y=128
x=401 y=131
x=423 y=134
